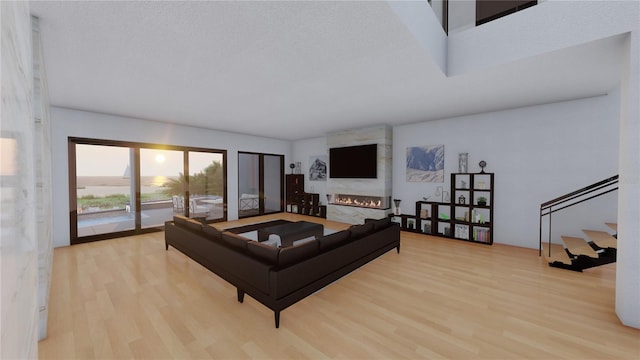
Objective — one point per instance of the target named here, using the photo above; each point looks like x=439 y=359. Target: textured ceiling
x=287 y=70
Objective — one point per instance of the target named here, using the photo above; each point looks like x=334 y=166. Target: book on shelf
x=481 y=235
x=461 y=232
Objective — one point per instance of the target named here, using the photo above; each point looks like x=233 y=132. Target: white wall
x=18 y=236
x=75 y=123
x=558 y=24
x=628 y=266
x=537 y=154
x=421 y=21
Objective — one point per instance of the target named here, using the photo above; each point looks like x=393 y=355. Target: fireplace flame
x=361 y=201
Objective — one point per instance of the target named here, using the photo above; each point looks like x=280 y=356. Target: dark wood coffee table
x=291 y=232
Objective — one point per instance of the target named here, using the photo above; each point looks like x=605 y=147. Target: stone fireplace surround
x=379 y=188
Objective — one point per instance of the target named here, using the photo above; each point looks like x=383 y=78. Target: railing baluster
x=548 y=205
x=549 y=239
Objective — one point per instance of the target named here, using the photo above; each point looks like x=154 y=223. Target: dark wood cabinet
x=294 y=186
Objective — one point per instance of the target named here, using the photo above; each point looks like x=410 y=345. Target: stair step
x=578 y=246
x=602 y=239
x=613 y=226
x=557 y=254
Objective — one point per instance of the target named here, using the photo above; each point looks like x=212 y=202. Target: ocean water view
x=110 y=185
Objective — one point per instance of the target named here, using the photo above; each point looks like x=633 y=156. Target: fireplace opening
x=365 y=201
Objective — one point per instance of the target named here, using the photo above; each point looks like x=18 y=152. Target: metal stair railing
x=574 y=198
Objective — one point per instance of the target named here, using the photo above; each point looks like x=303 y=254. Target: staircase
x=577 y=253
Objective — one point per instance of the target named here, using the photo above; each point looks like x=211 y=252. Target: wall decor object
x=482 y=164
x=425 y=163
x=318 y=168
x=463 y=162
x=438 y=193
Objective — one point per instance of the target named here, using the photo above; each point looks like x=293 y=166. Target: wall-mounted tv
x=354 y=162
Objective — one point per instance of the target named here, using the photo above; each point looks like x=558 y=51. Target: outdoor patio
x=153 y=214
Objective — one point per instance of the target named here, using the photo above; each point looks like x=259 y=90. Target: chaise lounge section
x=280 y=277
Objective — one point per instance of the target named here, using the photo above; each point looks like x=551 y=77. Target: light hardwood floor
x=438 y=298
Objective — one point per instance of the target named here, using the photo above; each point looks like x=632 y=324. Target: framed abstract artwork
x=318 y=168
x=425 y=163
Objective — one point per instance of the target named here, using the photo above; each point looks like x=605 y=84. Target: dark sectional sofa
x=280 y=277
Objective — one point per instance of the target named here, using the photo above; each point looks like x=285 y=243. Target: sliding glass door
x=103 y=189
x=161 y=192
x=260 y=184
x=206 y=186
x=121 y=188
x=273 y=183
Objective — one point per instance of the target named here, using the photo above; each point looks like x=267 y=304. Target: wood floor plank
x=438 y=298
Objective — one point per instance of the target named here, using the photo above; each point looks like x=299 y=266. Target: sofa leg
x=277 y=316
x=240 y=295
x=398 y=248
x=166 y=245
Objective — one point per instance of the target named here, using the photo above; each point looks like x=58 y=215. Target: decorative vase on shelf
x=463 y=162
x=396 y=202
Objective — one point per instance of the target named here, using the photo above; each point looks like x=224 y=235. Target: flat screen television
x=354 y=162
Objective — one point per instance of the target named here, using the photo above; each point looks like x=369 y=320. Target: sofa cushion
x=234 y=240
x=263 y=251
x=358 y=231
x=383 y=223
x=294 y=254
x=180 y=220
x=194 y=225
x=334 y=240
x=212 y=232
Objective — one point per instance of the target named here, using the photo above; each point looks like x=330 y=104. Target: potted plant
x=482 y=201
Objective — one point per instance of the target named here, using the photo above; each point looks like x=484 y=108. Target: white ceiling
x=287 y=70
